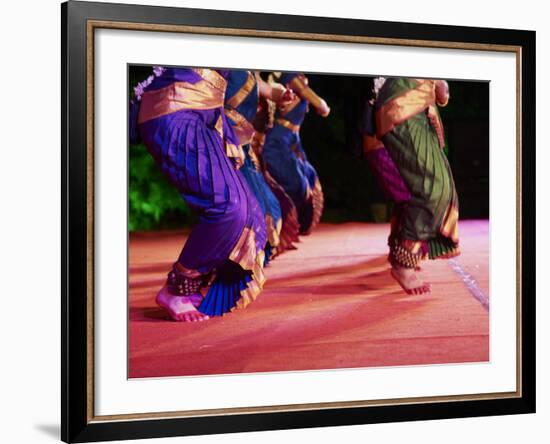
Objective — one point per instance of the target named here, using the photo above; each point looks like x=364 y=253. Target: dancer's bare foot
x=196 y=299
x=408 y=279
x=180 y=308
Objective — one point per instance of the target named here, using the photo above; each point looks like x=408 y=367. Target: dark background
x=333 y=146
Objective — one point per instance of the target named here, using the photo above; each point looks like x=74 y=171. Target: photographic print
x=296 y=221
x=276 y=221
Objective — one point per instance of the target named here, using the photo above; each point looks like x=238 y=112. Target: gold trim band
x=238 y=98
x=178 y=96
x=405 y=106
x=243 y=128
x=212 y=77
x=288 y=125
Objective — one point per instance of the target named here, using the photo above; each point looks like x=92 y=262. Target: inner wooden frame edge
x=96 y=24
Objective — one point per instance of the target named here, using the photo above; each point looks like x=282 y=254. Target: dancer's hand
x=275 y=91
x=282 y=95
x=441 y=92
x=322 y=108
x=286 y=97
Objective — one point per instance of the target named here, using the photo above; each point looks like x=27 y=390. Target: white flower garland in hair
x=378 y=83
x=139 y=89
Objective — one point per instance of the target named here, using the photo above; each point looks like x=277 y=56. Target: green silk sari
x=408 y=124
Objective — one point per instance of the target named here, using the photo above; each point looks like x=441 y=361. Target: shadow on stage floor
x=329 y=304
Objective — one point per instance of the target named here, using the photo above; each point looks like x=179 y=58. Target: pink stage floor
x=329 y=304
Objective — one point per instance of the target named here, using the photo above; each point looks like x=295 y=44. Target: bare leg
x=408 y=279
x=180 y=308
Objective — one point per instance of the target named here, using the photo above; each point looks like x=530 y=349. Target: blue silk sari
x=241 y=101
x=287 y=162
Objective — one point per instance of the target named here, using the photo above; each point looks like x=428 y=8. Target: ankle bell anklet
x=404 y=258
x=181 y=285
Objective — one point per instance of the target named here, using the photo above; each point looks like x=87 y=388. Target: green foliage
x=153 y=202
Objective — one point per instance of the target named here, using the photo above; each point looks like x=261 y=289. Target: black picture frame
x=77 y=423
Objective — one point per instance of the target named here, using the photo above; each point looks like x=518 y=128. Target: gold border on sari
x=238 y=98
x=318 y=202
x=242 y=127
x=401 y=108
x=410 y=245
x=232 y=151
x=257 y=143
x=235 y=152
x=256 y=285
x=288 y=125
x=255 y=159
x=244 y=251
x=178 y=96
x=245 y=254
x=273 y=230
x=449 y=226
x=213 y=77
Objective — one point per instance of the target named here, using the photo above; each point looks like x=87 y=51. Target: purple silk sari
x=182 y=123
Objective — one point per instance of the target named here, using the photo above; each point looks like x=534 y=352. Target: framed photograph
x=275 y=221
